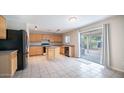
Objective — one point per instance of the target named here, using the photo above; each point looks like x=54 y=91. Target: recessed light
x=35 y=28
x=72 y=19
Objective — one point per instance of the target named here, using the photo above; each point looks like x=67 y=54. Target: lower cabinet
x=62 y=50
x=71 y=51
x=8 y=64
x=35 y=50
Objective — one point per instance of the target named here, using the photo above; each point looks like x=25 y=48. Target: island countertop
x=7 y=52
x=52 y=46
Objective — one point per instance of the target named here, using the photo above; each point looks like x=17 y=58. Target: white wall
x=15 y=25
x=116 y=40
x=74 y=40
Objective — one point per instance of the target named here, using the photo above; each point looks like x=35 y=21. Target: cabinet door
x=38 y=38
x=32 y=38
x=57 y=38
x=35 y=50
x=62 y=50
x=51 y=53
x=2 y=28
x=46 y=36
x=71 y=51
x=52 y=38
x=35 y=37
x=13 y=63
x=57 y=52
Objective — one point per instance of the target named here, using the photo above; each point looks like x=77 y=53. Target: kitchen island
x=53 y=52
x=8 y=63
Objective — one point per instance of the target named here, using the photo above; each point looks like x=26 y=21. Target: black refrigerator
x=17 y=40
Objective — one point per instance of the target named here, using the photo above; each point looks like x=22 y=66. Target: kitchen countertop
x=66 y=45
x=7 y=52
x=35 y=44
x=52 y=45
x=39 y=44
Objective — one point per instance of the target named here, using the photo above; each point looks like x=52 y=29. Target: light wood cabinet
x=62 y=50
x=52 y=38
x=35 y=50
x=8 y=63
x=35 y=37
x=32 y=37
x=71 y=51
x=46 y=36
x=53 y=53
x=14 y=62
x=2 y=28
x=40 y=37
x=57 y=38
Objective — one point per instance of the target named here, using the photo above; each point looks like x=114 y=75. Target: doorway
x=91 y=46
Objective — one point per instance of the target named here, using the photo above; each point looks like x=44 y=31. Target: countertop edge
x=8 y=52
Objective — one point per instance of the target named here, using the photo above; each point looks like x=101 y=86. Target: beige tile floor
x=65 y=67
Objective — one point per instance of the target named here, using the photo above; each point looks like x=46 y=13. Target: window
x=67 y=39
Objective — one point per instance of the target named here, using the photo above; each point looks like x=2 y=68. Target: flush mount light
x=72 y=19
x=35 y=28
x=58 y=30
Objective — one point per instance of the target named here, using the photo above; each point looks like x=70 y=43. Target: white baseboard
x=117 y=69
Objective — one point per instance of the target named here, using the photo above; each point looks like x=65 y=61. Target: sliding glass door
x=91 y=45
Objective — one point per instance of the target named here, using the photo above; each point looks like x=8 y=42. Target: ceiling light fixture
x=58 y=30
x=35 y=28
x=72 y=19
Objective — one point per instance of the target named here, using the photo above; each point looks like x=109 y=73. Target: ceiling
x=50 y=23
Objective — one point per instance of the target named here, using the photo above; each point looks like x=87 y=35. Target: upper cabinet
x=35 y=37
x=39 y=37
x=2 y=28
x=57 y=38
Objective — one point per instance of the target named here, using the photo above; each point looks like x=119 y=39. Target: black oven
x=66 y=51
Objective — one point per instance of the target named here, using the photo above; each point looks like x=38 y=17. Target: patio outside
x=91 y=46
